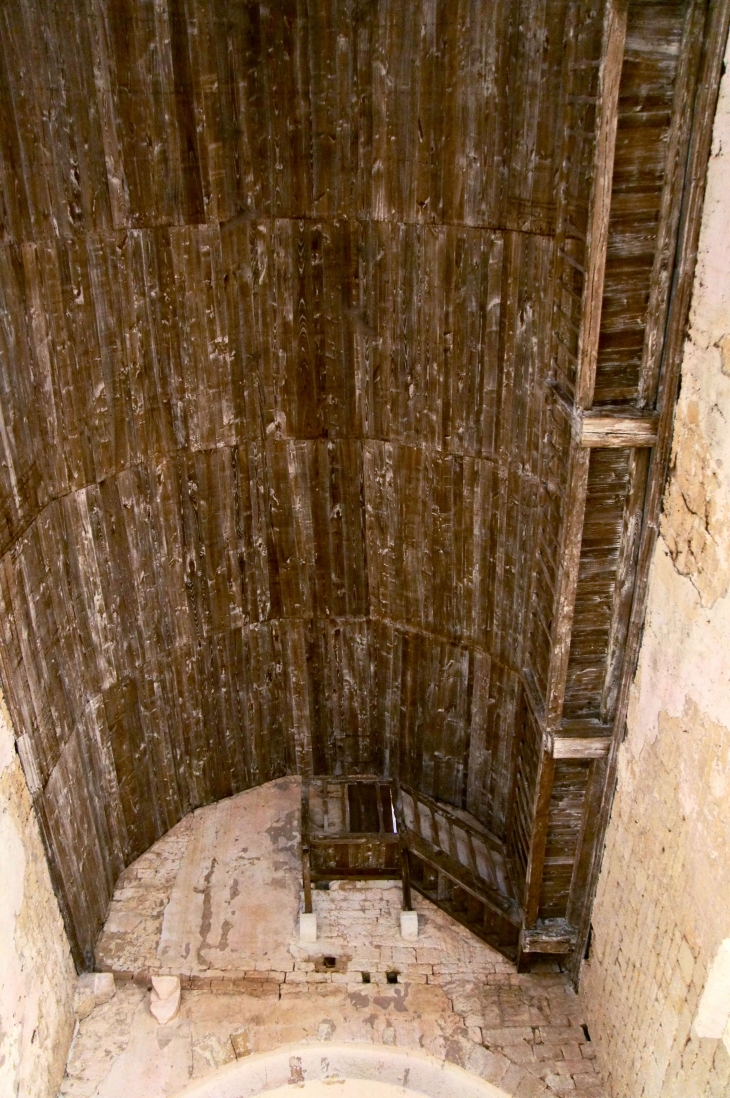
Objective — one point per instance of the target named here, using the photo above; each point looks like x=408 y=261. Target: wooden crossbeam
x=574 y=745
x=599 y=429
x=609 y=428
x=551 y=936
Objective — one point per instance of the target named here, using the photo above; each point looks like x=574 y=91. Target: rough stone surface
x=99 y=985
x=453 y=996
x=37 y=978
x=663 y=905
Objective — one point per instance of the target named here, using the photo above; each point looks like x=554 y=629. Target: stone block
x=83 y=1002
x=409 y=925
x=241 y=1044
x=165 y=998
x=93 y=989
x=307 y=927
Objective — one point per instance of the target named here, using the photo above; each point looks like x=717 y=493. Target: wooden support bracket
x=611 y=431
x=548 y=936
x=581 y=739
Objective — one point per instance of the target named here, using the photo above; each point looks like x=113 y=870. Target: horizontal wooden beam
x=550 y=936
x=340 y=873
x=575 y=747
x=580 y=739
x=361 y=838
x=611 y=431
x=608 y=428
x=348 y=779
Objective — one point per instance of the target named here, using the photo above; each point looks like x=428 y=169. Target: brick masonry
x=216 y=901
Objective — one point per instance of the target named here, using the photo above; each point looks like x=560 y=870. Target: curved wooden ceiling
x=330 y=359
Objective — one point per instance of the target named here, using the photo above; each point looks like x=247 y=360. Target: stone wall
x=663 y=904
x=36 y=974
x=216 y=902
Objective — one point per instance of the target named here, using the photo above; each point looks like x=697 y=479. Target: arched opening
x=355 y=1071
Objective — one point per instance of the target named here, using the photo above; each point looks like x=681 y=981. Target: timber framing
x=572 y=731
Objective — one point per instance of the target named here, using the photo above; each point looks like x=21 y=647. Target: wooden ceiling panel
x=136 y=115
x=332 y=388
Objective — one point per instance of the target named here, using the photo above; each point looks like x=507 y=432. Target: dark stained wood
x=587 y=544
x=539 y=821
x=334 y=407
x=348 y=834
x=200 y=111
x=714 y=35
x=454 y=847
x=599 y=203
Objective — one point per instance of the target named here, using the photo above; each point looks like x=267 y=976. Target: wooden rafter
x=707 y=28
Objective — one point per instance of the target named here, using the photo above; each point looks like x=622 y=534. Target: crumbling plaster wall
x=663 y=904
x=37 y=977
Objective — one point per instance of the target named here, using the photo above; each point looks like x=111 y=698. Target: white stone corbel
x=307 y=927
x=165 y=998
x=409 y=925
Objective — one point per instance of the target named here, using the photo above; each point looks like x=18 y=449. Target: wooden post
x=306 y=863
x=405 y=867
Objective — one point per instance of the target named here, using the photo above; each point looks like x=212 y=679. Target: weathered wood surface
x=461 y=866
x=132 y=113
x=348 y=830
x=707 y=33
x=320 y=404
x=600 y=426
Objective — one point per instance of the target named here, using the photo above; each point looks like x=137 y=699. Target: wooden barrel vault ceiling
x=339 y=343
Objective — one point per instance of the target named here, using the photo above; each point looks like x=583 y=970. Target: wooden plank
x=569 y=561
x=576 y=746
x=538 y=839
x=453 y=814
x=462 y=876
x=671 y=202
x=703 y=110
x=548 y=936
x=600 y=429
x=599 y=203
x=351 y=839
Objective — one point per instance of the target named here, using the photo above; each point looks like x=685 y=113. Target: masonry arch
x=350 y=1068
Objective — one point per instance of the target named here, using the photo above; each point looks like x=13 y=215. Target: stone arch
x=388 y=1070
